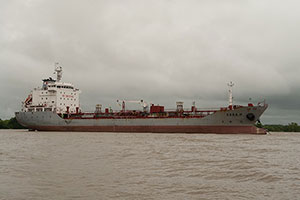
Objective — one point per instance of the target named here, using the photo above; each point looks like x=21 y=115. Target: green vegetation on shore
x=10 y=124
x=291 y=127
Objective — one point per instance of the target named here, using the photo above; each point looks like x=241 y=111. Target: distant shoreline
x=291 y=127
x=10 y=124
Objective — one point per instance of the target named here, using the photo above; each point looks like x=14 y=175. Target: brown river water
x=75 y=165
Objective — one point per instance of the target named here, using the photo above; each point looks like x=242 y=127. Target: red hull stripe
x=157 y=129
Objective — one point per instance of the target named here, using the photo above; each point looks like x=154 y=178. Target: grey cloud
x=162 y=51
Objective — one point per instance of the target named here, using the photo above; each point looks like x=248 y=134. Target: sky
x=160 y=51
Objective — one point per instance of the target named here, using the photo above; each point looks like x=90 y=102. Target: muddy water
x=65 y=165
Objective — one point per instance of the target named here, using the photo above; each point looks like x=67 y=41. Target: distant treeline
x=10 y=124
x=291 y=127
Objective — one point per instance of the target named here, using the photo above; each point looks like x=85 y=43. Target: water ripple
x=56 y=165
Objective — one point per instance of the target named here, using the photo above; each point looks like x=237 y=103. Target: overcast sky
x=160 y=51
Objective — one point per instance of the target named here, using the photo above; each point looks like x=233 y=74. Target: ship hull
x=220 y=122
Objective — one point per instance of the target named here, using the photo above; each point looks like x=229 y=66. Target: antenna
x=230 y=85
x=122 y=104
x=58 y=72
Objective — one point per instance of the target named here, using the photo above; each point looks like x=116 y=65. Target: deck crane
x=122 y=103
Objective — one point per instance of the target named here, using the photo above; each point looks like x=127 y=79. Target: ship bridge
x=55 y=95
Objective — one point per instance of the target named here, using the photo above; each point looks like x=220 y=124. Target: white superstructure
x=54 y=95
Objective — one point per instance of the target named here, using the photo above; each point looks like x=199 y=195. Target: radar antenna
x=58 y=72
x=230 y=85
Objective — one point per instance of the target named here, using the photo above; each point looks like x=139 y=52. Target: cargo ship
x=55 y=106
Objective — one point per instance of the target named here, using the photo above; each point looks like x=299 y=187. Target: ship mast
x=58 y=72
x=230 y=85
